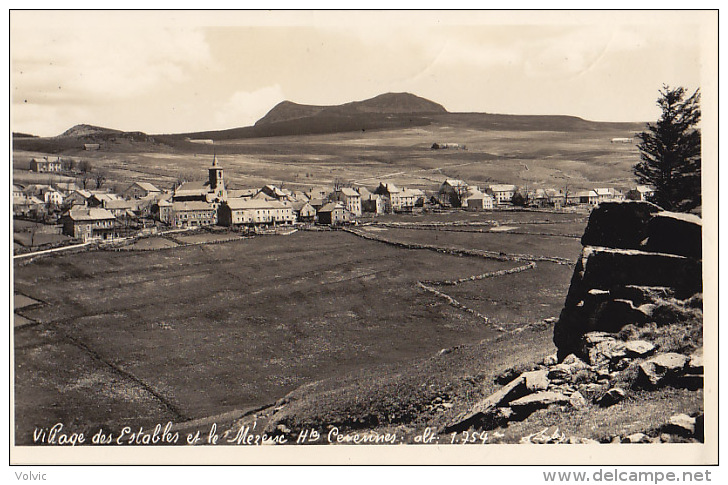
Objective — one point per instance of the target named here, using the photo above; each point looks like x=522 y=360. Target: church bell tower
x=217 y=182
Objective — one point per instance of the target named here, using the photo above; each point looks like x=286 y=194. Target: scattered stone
x=538 y=400
x=637 y=438
x=560 y=371
x=283 y=429
x=616 y=440
x=482 y=411
x=695 y=365
x=682 y=425
x=639 y=348
x=665 y=438
x=621 y=364
x=536 y=380
x=612 y=396
x=577 y=400
x=575 y=363
x=447 y=405
x=599 y=348
x=662 y=367
x=546 y=436
x=550 y=360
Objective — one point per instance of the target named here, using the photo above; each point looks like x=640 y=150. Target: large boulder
x=619 y=224
x=662 y=369
x=675 y=233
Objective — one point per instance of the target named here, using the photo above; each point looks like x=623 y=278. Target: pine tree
x=670 y=151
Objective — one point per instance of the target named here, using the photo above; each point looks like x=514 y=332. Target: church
x=211 y=191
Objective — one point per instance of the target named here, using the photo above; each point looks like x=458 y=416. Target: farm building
x=452 y=191
x=241 y=193
x=391 y=195
x=193 y=214
x=120 y=207
x=78 y=198
x=17 y=191
x=139 y=190
x=502 y=193
x=334 y=214
x=164 y=211
x=100 y=199
x=45 y=165
x=448 y=146
x=584 y=197
x=275 y=192
x=374 y=203
x=89 y=224
x=319 y=192
x=606 y=194
x=351 y=200
x=91 y=146
x=66 y=187
x=408 y=199
x=645 y=192
x=26 y=205
x=474 y=199
x=303 y=211
x=237 y=212
x=52 y=197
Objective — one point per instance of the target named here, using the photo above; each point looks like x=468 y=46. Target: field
x=197 y=331
x=559 y=159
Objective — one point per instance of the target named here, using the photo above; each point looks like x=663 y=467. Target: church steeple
x=217 y=181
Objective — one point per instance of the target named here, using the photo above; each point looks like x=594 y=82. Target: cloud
x=53 y=65
x=244 y=108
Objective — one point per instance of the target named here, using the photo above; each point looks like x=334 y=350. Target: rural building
x=334 y=214
x=351 y=200
x=26 y=205
x=52 y=197
x=374 y=203
x=607 y=194
x=303 y=211
x=120 y=208
x=212 y=190
x=89 y=224
x=249 y=212
x=66 y=187
x=452 y=191
x=193 y=214
x=100 y=199
x=622 y=140
x=165 y=211
x=408 y=199
x=91 y=146
x=390 y=193
x=474 y=199
x=139 y=190
x=45 y=165
x=275 y=192
x=585 y=197
x=17 y=191
x=78 y=198
x=446 y=146
x=502 y=193
x=319 y=192
x=645 y=192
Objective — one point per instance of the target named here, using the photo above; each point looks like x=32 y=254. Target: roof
x=363 y=191
x=410 y=193
x=83 y=193
x=349 y=192
x=17 y=188
x=502 y=187
x=94 y=214
x=235 y=193
x=195 y=187
x=146 y=186
x=194 y=205
x=605 y=191
x=644 y=188
x=455 y=183
x=330 y=207
x=107 y=197
x=118 y=204
x=586 y=193
x=27 y=200
x=239 y=204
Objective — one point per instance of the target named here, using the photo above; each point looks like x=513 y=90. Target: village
x=85 y=215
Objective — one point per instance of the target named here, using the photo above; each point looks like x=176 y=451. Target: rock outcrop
x=632 y=319
x=637 y=260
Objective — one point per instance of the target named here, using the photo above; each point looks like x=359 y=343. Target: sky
x=184 y=71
